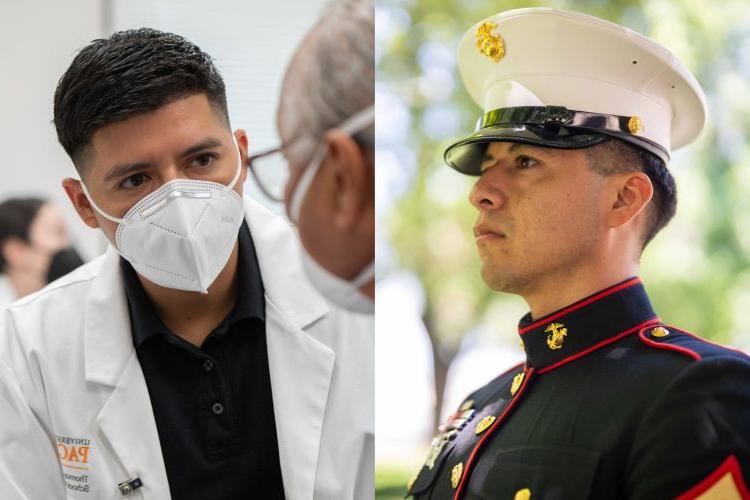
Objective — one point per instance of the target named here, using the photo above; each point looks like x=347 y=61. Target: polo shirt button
x=208 y=365
x=217 y=408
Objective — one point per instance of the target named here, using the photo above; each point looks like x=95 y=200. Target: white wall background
x=38 y=39
x=250 y=40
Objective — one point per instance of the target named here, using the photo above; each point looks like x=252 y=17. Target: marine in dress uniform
x=610 y=403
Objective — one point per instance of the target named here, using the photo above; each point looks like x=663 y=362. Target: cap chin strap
x=559 y=115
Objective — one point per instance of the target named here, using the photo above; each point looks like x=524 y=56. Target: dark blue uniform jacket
x=610 y=404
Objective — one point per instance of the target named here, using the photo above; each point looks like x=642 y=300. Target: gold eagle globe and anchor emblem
x=557 y=333
x=488 y=43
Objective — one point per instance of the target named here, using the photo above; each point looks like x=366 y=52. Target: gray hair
x=332 y=76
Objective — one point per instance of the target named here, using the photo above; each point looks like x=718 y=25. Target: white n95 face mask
x=338 y=291
x=180 y=236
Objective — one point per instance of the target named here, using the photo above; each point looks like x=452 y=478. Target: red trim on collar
x=668 y=347
x=728 y=466
x=578 y=305
x=488 y=433
x=580 y=354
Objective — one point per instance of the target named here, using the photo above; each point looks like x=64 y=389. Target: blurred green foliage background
x=696 y=270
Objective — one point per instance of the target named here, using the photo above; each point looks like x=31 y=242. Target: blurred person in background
x=35 y=247
x=326 y=121
x=579 y=120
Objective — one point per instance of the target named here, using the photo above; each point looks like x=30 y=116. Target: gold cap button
x=635 y=125
x=659 y=332
x=517 y=381
x=484 y=424
x=524 y=494
x=456 y=473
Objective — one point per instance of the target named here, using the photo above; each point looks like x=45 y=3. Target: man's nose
x=488 y=192
x=172 y=172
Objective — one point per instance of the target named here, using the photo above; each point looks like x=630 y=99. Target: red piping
x=489 y=432
x=668 y=347
x=729 y=466
x=578 y=305
x=601 y=344
x=709 y=342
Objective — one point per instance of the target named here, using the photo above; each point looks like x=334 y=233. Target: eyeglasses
x=271 y=171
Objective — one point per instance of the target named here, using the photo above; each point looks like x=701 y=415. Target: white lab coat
x=7 y=293
x=75 y=413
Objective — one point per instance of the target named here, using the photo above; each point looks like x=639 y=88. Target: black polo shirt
x=212 y=404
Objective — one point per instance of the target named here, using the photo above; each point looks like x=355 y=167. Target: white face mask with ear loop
x=341 y=292
x=181 y=235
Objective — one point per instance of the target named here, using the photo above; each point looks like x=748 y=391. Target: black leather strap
x=555 y=115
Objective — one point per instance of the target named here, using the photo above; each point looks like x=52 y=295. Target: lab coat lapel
x=301 y=366
x=127 y=419
x=301 y=369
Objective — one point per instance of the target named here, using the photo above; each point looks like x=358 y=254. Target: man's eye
x=204 y=160
x=524 y=162
x=133 y=181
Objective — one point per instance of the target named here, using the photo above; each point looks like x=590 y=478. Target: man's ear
x=633 y=192
x=352 y=176
x=242 y=141
x=82 y=205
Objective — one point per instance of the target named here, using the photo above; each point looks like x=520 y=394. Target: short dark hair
x=618 y=156
x=130 y=73
x=16 y=217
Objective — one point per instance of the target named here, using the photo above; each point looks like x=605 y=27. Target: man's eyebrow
x=515 y=146
x=207 y=143
x=124 y=169
x=545 y=150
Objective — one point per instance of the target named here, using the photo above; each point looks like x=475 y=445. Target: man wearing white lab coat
x=77 y=418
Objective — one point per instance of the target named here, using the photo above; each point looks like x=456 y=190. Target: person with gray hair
x=326 y=122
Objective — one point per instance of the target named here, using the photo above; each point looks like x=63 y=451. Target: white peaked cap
x=626 y=85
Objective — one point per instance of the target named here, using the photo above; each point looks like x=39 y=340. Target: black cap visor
x=467 y=155
x=549 y=128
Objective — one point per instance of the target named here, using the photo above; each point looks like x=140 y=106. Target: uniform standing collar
x=592 y=322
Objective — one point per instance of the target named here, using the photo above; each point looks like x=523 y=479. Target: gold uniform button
x=456 y=474
x=517 y=381
x=468 y=405
x=484 y=424
x=524 y=494
x=659 y=332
